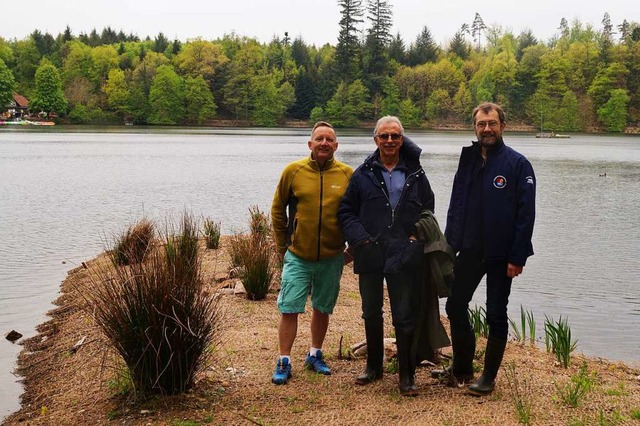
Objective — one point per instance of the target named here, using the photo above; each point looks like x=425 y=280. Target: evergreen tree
x=459 y=46
x=424 y=49
x=477 y=27
x=348 y=51
x=304 y=94
x=376 y=58
x=397 y=50
x=67 y=36
x=160 y=43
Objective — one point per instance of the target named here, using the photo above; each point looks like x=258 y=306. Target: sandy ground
x=76 y=387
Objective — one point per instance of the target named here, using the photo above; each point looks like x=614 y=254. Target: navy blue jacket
x=365 y=213
x=509 y=195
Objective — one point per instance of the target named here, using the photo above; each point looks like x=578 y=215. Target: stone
x=12 y=336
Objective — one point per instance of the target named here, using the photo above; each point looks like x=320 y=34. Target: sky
x=316 y=21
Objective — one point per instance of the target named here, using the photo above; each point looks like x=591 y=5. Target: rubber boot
x=406 y=364
x=375 y=352
x=492 y=360
x=461 y=370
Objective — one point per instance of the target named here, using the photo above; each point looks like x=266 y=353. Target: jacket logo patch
x=529 y=179
x=499 y=182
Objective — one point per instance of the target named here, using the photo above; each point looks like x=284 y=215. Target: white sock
x=314 y=351
x=287 y=357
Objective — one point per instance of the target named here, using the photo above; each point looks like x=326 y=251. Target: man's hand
x=513 y=270
x=348 y=257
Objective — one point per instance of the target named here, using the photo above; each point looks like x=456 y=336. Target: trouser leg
x=371 y=292
x=468 y=270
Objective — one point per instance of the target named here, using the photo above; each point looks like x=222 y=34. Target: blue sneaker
x=317 y=364
x=283 y=372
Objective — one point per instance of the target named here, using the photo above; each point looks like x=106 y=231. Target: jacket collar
x=409 y=154
x=315 y=166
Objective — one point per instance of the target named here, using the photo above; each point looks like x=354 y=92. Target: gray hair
x=388 y=119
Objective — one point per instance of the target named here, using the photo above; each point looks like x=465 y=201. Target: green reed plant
x=478 y=318
x=133 y=244
x=157 y=314
x=520 y=393
x=558 y=339
x=211 y=233
x=572 y=392
x=527 y=323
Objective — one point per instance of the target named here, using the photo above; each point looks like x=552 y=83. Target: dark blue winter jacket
x=366 y=215
x=509 y=195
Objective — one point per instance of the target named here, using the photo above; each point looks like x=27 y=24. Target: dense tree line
x=582 y=79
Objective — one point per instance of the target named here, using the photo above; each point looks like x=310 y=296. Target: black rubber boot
x=406 y=364
x=492 y=360
x=461 y=370
x=375 y=352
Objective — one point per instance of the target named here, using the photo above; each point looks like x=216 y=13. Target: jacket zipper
x=393 y=211
x=320 y=212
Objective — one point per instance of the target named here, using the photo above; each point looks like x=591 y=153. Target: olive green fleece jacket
x=305 y=206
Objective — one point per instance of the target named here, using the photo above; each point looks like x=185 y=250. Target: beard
x=489 y=141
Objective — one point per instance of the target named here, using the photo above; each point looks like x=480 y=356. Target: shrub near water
x=211 y=233
x=156 y=314
x=252 y=255
x=131 y=247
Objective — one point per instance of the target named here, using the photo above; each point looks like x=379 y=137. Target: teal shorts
x=301 y=277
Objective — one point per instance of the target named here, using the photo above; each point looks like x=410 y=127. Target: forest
x=584 y=79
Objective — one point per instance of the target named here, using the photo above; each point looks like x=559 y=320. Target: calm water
x=62 y=193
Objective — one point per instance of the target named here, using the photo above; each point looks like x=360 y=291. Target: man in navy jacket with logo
x=489 y=226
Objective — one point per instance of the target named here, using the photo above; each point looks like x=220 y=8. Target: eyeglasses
x=385 y=136
x=492 y=124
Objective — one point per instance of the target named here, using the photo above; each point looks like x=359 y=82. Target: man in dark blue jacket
x=378 y=214
x=489 y=226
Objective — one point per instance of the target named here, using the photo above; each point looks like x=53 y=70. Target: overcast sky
x=315 y=20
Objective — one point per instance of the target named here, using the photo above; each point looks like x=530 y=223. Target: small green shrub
x=133 y=244
x=211 y=233
x=572 y=392
x=558 y=339
x=635 y=413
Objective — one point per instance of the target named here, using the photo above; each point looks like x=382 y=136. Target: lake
x=65 y=191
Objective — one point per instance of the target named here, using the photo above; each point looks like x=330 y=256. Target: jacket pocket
x=368 y=258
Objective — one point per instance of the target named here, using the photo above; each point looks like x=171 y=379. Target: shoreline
x=64 y=385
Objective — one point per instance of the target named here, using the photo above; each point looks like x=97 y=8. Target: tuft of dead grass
x=236 y=390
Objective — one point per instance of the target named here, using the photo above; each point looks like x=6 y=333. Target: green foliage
x=527 y=323
x=409 y=113
x=564 y=84
x=7 y=85
x=317 y=114
x=121 y=384
x=635 y=413
x=558 y=339
x=211 y=232
x=613 y=114
x=157 y=315
x=48 y=93
x=572 y=392
x=478 y=319
x=166 y=97
x=199 y=100
x=117 y=91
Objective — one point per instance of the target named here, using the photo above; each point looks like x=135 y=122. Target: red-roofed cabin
x=18 y=107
